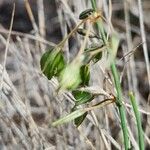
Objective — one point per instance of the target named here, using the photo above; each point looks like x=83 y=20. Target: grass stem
x=117 y=83
x=138 y=121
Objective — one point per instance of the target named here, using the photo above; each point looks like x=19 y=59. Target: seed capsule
x=70 y=76
x=86 y=13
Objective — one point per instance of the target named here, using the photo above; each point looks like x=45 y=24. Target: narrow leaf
x=80 y=119
x=97 y=57
x=52 y=62
x=85 y=75
x=138 y=121
x=82 y=97
x=114 y=45
x=69 y=117
x=86 y=13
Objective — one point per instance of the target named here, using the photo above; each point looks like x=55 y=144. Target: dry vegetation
x=29 y=102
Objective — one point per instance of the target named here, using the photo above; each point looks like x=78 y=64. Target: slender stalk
x=93 y=2
x=117 y=83
x=99 y=23
x=120 y=105
x=138 y=121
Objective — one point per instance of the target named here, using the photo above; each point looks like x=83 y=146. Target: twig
x=29 y=36
x=41 y=19
x=6 y=48
x=138 y=121
x=145 y=50
x=30 y=14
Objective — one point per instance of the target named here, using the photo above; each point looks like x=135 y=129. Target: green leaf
x=138 y=121
x=52 y=62
x=70 y=76
x=114 y=43
x=43 y=62
x=58 y=63
x=85 y=75
x=86 y=13
x=80 y=119
x=69 y=117
x=97 y=57
x=82 y=97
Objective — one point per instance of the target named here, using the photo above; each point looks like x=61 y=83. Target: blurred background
x=29 y=103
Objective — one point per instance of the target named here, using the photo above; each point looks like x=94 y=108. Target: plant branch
x=138 y=121
x=117 y=83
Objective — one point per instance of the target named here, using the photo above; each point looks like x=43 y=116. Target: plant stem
x=138 y=121
x=117 y=83
x=120 y=105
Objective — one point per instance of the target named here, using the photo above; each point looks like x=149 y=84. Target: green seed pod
x=70 y=76
x=86 y=13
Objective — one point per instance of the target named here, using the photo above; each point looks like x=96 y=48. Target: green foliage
x=70 y=76
x=52 y=62
x=138 y=121
x=73 y=115
x=82 y=97
x=85 y=75
x=75 y=74
x=80 y=119
x=86 y=14
x=112 y=52
x=114 y=43
x=97 y=57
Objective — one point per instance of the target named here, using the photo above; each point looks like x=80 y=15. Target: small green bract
x=70 y=76
x=85 y=75
x=82 y=97
x=86 y=14
x=80 y=119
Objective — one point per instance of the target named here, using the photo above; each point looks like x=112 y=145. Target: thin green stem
x=138 y=121
x=117 y=83
x=93 y=2
x=120 y=105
